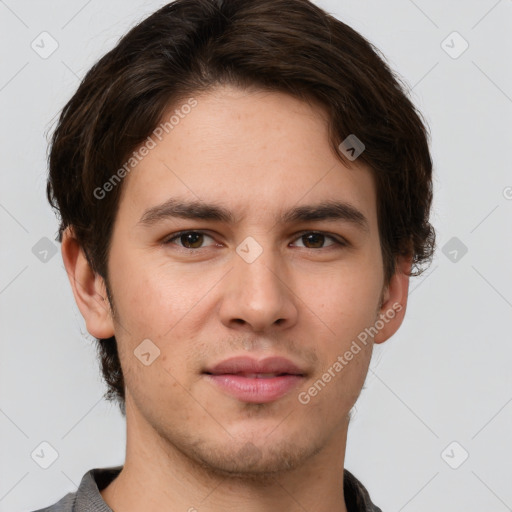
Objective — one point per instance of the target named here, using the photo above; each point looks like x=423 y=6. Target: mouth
x=252 y=381
x=256 y=375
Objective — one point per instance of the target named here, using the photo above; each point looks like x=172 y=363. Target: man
x=244 y=190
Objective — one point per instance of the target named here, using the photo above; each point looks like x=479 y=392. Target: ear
x=88 y=288
x=394 y=300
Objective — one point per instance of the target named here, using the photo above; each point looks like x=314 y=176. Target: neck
x=157 y=475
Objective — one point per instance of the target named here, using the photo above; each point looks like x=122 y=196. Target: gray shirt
x=87 y=498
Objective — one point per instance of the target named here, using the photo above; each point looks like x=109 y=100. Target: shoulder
x=87 y=497
x=357 y=497
x=65 y=504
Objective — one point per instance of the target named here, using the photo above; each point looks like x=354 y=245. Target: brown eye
x=316 y=240
x=192 y=240
x=188 y=239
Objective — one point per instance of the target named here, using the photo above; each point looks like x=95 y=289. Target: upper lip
x=245 y=364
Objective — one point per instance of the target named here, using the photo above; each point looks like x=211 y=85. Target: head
x=221 y=104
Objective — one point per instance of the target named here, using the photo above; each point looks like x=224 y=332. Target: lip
x=246 y=364
x=242 y=377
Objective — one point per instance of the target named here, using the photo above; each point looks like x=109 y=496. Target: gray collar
x=88 y=498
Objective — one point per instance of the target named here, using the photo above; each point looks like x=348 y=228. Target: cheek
x=151 y=297
x=152 y=303
x=349 y=308
x=169 y=306
x=350 y=302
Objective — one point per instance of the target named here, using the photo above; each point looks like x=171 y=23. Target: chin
x=261 y=462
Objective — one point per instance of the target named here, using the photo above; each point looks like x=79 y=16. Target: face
x=245 y=277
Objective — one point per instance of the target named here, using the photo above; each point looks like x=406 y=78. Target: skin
x=189 y=445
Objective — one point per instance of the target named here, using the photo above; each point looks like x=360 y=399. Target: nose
x=258 y=295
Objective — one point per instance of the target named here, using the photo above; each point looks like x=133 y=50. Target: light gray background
x=444 y=377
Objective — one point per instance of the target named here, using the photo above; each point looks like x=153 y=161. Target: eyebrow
x=198 y=210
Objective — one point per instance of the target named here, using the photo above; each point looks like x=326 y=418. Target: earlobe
x=88 y=288
x=394 y=302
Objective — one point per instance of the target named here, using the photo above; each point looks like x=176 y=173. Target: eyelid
x=168 y=239
x=338 y=240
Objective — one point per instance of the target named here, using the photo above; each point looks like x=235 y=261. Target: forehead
x=257 y=153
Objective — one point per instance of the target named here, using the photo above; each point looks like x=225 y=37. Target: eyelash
x=339 y=242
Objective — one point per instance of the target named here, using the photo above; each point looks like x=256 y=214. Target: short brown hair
x=188 y=47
